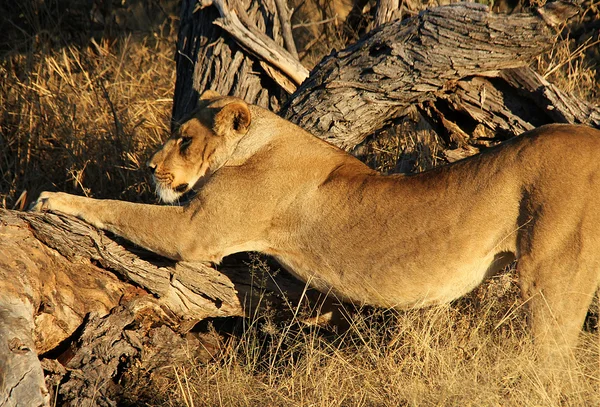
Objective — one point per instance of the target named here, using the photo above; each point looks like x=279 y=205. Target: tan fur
x=263 y=184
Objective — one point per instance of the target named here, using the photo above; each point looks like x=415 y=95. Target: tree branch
x=286 y=27
x=258 y=43
x=355 y=92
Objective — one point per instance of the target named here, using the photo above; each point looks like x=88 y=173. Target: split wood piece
x=563 y=108
x=43 y=299
x=21 y=376
x=92 y=372
x=258 y=43
x=519 y=100
x=208 y=58
x=500 y=108
x=105 y=346
x=355 y=92
x=129 y=346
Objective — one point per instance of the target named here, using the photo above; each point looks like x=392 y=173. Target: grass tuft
x=84 y=118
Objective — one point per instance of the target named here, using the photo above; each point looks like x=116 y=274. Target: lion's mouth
x=181 y=188
x=167 y=192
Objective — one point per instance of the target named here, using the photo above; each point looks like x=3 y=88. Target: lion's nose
x=151 y=166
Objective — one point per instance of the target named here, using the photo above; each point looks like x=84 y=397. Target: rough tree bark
x=58 y=274
x=81 y=298
x=208 y=58
x=416 y=64
x=426 y=59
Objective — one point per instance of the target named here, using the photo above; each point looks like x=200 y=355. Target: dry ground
x=475 y=352
x=84 y=105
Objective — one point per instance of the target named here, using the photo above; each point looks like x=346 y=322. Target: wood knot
x=558 y=12
x=17 y=346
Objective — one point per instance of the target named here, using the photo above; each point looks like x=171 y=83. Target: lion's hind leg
x=558 y=292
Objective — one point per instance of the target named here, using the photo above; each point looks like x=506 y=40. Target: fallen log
x=60 y=276
x=458 y=56
x=353 y=93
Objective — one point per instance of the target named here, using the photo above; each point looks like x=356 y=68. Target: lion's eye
x=184 y=142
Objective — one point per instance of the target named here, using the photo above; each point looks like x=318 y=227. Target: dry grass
x=83 y=115
x=405 y=147
x=569 y=67
x=83 y=118
x=472 y=353
x=573 y=64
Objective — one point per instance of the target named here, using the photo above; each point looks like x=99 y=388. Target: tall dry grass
x=475 y=352
x=83 y=116
x=82 y=111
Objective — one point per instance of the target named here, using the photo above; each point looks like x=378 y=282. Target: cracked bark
x=208 y=58
x=426 y=60
x=71 y=293
x=443 y=63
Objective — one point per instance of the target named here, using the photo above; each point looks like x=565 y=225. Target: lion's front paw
x=50 y=201
x=42 y=203
x=67 y=204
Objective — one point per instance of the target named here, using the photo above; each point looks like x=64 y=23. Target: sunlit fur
x=166 y=193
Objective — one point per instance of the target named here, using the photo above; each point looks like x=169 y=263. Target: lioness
x=264 y=184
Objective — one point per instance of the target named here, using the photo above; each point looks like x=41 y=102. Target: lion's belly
x=396 y=286
x=450 y=282
x=436 y=283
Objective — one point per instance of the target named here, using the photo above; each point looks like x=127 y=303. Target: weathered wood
x=478 y=112
x=354 y=92
x=21 y=377
x=286 y=27
x=561 y=107
x=31 y=272
x=208 y=58
x=43 y=299
x=91 y=373
x=56 y=271
x=168 y=280
x=259 y=44
x=104 y=344
x=187 y=291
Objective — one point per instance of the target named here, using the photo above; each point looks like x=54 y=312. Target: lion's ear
x=209 y=94
x=234 y=116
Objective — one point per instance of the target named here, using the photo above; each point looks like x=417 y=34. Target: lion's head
x=200 y=145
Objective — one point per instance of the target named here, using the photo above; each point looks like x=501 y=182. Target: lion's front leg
x=152 y=227
x=68 y=204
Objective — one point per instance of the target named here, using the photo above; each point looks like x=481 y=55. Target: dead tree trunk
x=445 y=62
x=212 y=53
